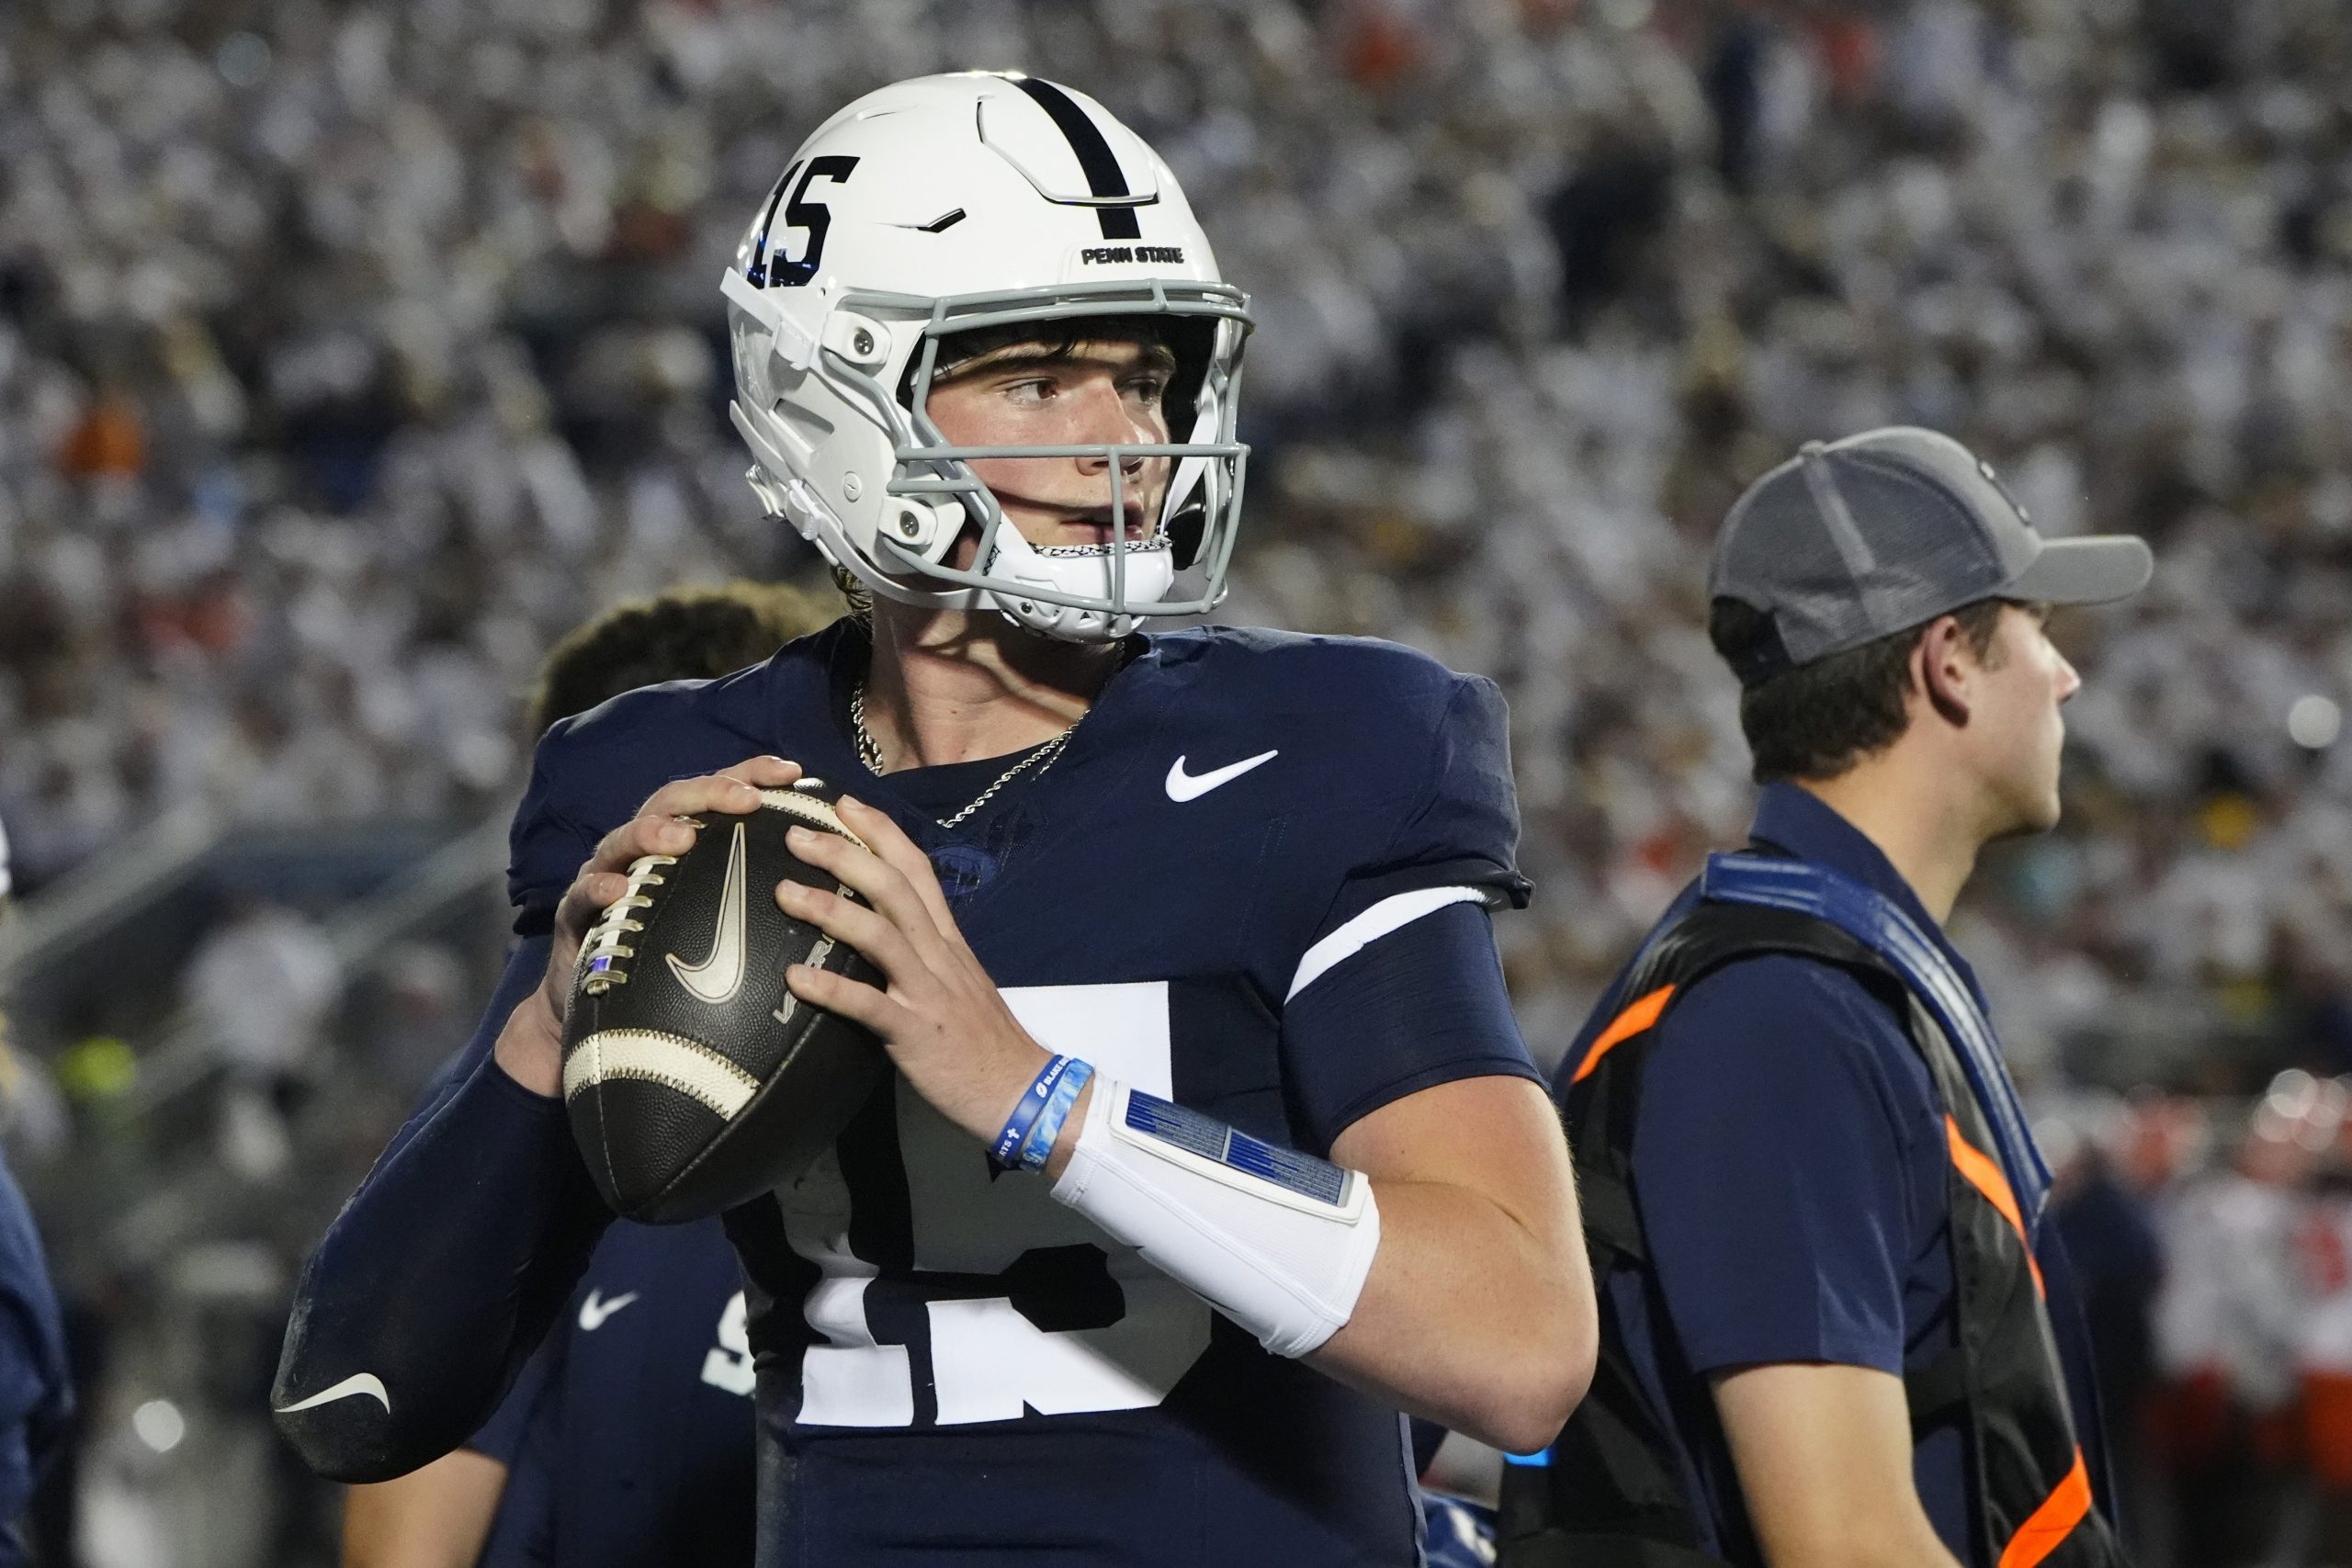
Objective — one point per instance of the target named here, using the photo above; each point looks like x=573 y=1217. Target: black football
x=693 y=1078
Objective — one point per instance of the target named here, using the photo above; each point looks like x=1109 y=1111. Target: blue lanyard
x=1881 y=925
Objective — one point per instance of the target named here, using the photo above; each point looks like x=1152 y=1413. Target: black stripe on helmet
x=1100 y=166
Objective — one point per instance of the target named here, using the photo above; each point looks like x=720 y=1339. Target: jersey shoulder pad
x=1315 y=672
x=1376 y=713
x=1408 y=761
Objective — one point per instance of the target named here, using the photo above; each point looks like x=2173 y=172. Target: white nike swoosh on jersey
x=1182 y=786
x=359 y=1382
x=592 y=1312
x=717 y=978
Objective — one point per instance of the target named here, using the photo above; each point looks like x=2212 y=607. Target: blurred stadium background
x=353 y=352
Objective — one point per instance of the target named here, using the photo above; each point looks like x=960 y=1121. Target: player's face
x=2026 y=679
x=1039 y=395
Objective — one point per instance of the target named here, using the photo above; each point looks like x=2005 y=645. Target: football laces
x=601 y=965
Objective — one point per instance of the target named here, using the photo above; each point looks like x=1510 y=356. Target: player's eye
x=1030 y=391
x=1149 y=389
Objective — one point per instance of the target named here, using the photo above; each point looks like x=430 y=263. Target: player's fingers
x=737 y=790
x=895 y=849
x=768 y=770
x=871 y=877
x=651 y=834
x=853 y=999
x=882 y=943
x=586 y=898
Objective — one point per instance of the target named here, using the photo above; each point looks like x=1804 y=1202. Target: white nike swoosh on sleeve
x=1183 y=786
x=359 y=1382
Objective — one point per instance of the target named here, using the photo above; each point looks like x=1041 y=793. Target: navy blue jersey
x=1461 y=1533
x=35 y=1394
x=1198 y=896
x=629 y=1441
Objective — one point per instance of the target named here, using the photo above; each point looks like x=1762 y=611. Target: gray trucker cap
x=1852 y=541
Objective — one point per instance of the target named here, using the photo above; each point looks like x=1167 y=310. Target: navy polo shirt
x=1789 y=1165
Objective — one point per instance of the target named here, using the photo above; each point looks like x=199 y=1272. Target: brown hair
x=686 y=634
x=1819 y=719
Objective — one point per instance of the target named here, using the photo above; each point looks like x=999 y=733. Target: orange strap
x=2054 y=1521
x=1623 y=1027
x=2070 y=1502
x=1985 y=1175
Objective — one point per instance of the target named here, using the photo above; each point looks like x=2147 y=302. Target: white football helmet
x=951 y=204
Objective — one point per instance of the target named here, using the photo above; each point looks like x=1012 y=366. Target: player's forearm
x=529 y=1048
x=438 y=1517
x=435 y=1283
x=1470 y=1317
x=1824 y=1455
x=1865 y=1533
x=1924 y=1552
x=1461 y=1306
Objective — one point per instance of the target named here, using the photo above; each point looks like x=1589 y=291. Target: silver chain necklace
x=870 y=754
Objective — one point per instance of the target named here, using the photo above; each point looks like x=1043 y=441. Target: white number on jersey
x=988 y=1360
x=729 y=1365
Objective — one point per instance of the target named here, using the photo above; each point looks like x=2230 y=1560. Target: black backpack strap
x=1612 y=1495
x=1940 y=1392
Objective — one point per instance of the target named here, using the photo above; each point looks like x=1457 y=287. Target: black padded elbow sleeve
x=436 y=1281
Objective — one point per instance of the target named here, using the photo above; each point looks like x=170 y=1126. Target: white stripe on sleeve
x=1390 y=914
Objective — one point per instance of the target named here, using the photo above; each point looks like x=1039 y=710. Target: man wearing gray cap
x=1836 y=1328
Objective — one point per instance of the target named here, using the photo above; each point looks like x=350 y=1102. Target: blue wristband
x=1004 y=1153
x=1038 y=1146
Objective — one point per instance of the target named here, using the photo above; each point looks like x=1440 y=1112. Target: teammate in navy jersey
x=1216 y=900
x=629 y=1440
x=36 y=1391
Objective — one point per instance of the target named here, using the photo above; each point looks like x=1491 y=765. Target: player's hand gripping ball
x=694 y=1079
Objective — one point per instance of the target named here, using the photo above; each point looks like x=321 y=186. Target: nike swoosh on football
x=1183 y=785
x=368 y=1383
x=592 y=1312
x=717 y=978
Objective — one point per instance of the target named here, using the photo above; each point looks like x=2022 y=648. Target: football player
x=1213 y=1142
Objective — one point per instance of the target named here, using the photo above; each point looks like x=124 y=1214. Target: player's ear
x=1943 y=665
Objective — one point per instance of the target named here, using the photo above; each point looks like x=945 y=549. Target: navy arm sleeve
x=1420 y=1007
x=1777 y=1170
x=419 y=1307
x=34 y=1391
x=1400 y=993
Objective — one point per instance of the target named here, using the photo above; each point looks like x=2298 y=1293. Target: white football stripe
x=816 y=813
x=1389 y=915
x=692 y=1070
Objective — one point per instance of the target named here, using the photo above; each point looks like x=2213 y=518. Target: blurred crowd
x=351 y=353
x=2214 y=1249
